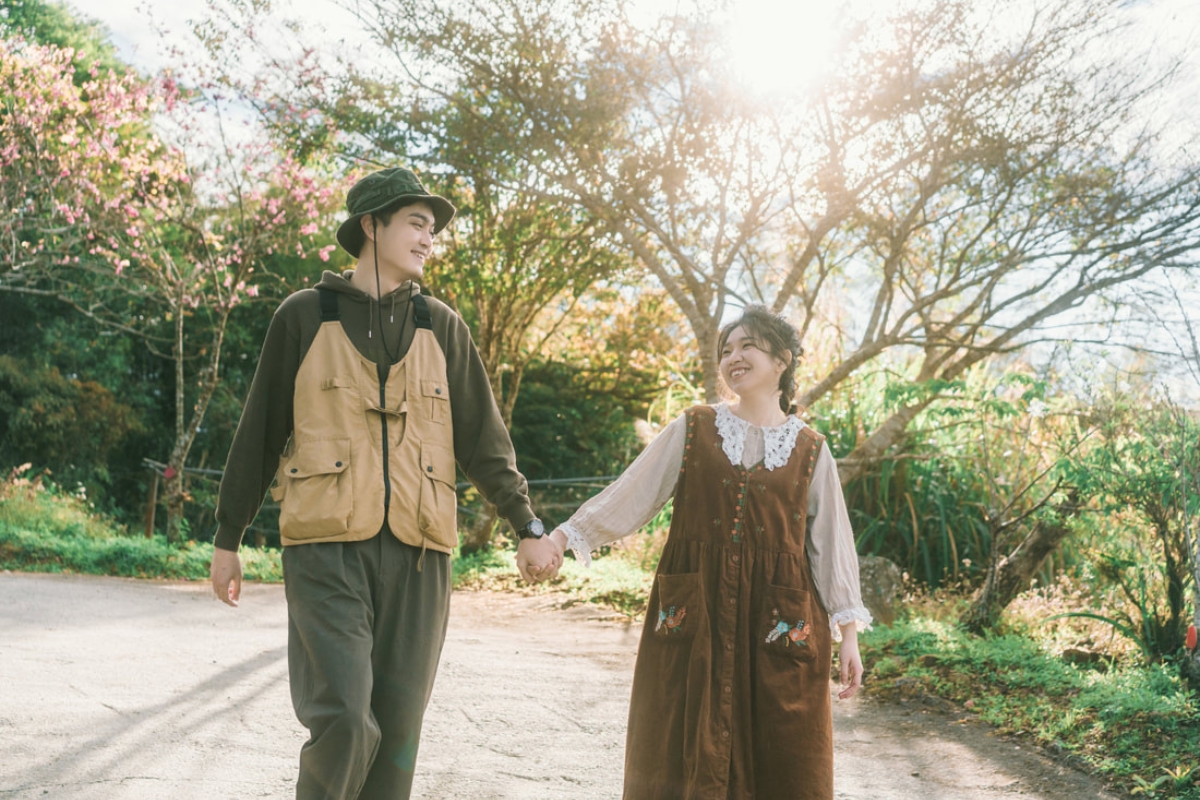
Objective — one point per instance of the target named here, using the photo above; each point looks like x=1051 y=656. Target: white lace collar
x=778 y=442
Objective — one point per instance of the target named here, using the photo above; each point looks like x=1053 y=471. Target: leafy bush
x=45 y=530
x=1137 y=725
x=66 y=425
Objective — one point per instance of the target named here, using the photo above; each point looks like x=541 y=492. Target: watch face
x=535 y=528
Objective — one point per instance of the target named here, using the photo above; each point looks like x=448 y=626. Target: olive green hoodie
x=482 y=446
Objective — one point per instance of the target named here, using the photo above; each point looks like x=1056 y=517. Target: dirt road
x=146 y=690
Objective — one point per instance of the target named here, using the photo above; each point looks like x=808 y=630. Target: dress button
x=732 y=600
x=729 y=645
x=728 y=688
x=734 y=558
x=725 y=735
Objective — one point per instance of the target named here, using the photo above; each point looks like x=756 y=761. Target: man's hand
x=850 y=661
x=539 y=559
x=226 y=575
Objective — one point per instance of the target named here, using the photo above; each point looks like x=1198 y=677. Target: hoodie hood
x=342 y=285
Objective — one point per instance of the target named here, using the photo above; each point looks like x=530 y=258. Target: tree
x=514 y=266
x=1147 y=460
x=114 y=221
x=54 y=24
x=972 y=184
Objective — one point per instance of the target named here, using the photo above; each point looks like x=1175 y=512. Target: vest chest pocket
x=435 y=395
x=786 y=625
x=438 y=505
x=315 y=490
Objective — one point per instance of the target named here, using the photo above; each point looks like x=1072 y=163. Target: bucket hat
x=386 y=189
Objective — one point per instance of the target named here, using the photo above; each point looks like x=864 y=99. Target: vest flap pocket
x=335 y=382
x=435 y=388
x=680 y=608
x=437 y=462
x=324 y=457
x=786 y=626
x=436 y=399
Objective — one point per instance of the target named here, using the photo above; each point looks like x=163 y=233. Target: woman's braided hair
x=781 y=339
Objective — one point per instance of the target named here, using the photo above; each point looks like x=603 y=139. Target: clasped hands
x=539 y=559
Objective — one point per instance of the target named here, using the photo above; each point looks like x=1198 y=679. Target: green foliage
x=62 y=424
x=1126 y=723
x=44 y=530
x=975 y=463
x=563 y=427
x=56 y=24
x=1145 y=470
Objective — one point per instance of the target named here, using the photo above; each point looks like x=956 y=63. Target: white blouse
x=631 y=501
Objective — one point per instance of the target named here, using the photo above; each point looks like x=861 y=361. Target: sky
x=770 y=36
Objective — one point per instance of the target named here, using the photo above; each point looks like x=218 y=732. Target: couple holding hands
x=366 y=396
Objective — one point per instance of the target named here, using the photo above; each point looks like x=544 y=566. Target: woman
x=757 y=578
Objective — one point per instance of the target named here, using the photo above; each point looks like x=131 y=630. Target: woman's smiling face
x=747 y=365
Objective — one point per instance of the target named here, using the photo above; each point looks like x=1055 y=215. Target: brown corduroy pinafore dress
x=731 y=687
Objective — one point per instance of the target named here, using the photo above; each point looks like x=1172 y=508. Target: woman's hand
x=850 y=661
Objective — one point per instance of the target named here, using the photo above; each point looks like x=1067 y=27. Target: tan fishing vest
x=363 y=448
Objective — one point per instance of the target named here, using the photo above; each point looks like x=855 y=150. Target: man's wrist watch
x=534 y=529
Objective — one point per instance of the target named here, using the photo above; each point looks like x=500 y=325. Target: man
x=366 y=395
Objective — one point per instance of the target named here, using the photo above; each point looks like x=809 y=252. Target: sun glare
x=783 y=45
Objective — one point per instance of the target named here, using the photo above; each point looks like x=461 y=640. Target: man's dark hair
x=384 y=217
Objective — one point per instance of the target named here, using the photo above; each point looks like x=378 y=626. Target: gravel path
x=113 y=688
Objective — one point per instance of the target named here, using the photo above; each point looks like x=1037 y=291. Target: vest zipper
x=387 y=479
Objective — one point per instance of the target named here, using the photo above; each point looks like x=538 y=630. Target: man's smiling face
x=405 y=241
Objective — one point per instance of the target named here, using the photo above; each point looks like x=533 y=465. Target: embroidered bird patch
x=791 y=634
x=672 y=617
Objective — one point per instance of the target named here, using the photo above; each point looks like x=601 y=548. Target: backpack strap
x=421 y=312
x=329 y=305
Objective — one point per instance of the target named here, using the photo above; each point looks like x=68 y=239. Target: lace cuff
x=578 y=543
x=859 y=615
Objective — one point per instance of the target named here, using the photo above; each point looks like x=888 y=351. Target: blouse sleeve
x=831 y=552
x=632 y=500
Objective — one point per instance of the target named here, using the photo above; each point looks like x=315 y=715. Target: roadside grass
x=44 y=531
x=1133 y=724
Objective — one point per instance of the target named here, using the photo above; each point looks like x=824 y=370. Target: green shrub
x=44 y=530
x=1136 y=724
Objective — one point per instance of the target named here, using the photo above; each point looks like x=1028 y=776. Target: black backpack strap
x=329 y=305
x=421 y=312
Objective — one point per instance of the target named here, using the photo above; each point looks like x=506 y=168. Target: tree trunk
x=1191 y=664
x=1010 y=575
x=186 y=429
x=174 y=503
x=891 y=432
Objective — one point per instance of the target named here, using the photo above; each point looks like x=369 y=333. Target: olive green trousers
x=366 y=623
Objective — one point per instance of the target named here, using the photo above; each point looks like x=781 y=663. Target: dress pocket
x=680 y=609
x=786 y=628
